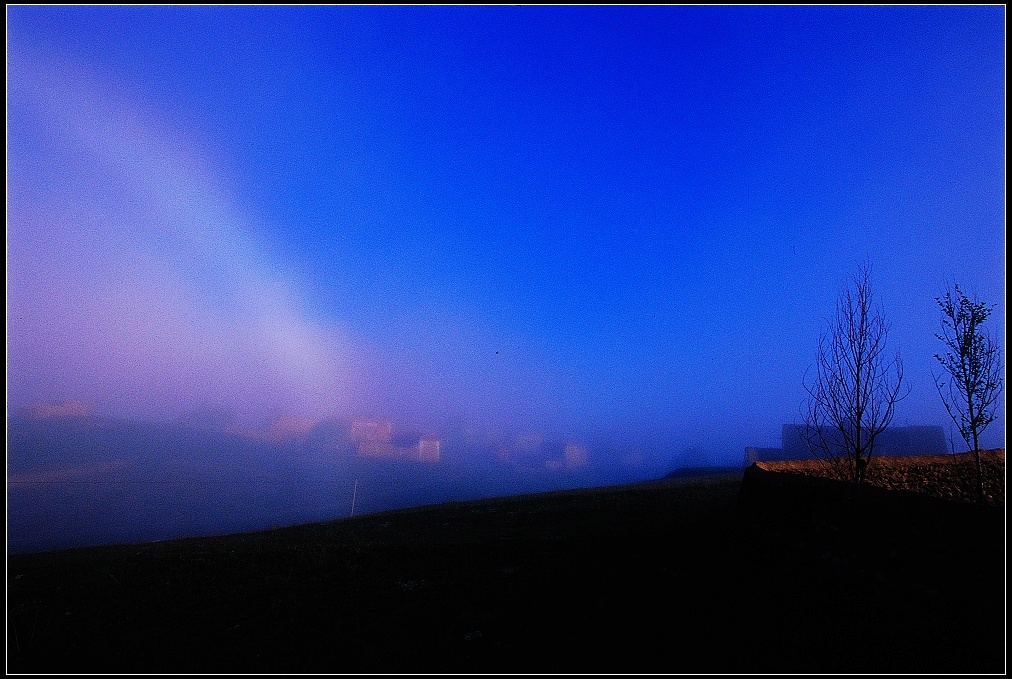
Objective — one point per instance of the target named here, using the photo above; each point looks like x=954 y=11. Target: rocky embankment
x=903 y=555
x=952 y=477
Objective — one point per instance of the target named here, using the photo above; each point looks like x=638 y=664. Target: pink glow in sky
x=133 y=283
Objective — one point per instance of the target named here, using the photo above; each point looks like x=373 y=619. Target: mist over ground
x=82 y=481
x=520 y=231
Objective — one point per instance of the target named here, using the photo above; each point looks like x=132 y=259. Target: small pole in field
x=354 y=492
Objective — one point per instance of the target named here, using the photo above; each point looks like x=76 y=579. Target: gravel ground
x=946 y=476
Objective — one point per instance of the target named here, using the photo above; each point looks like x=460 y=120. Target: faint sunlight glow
x=141 y=282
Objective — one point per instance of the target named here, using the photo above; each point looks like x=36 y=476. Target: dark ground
x=695 y=575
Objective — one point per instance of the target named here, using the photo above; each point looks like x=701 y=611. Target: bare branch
x=856 y=386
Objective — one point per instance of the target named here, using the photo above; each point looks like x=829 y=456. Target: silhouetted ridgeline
x=709 y=472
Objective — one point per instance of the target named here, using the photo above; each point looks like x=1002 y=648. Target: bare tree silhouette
x=856 y=385
x=972 y=363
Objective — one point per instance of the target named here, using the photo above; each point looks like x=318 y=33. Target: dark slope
x=672 y=576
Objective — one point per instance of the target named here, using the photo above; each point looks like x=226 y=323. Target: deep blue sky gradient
x=576 y=220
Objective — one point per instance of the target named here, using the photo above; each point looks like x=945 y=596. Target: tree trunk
x=980 y=473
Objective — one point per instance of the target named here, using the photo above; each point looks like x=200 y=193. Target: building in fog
x=428 y=449
x=372 y=438
x=894 y=441
x=574 y=455
x=371 y=430
x=63 y=409
x=375 y=439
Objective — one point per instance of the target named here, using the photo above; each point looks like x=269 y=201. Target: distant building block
x=43 y=411
x=428 y=449
x=371 y=430
x=574 y=455
x=894 y=441
x=912 y=440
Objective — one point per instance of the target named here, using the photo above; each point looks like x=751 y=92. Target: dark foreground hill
x=704 y=575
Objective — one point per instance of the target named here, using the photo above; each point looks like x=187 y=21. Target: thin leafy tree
x=856 y=385
x=972 y=379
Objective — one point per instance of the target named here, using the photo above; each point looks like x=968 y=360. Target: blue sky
x=576 y=220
